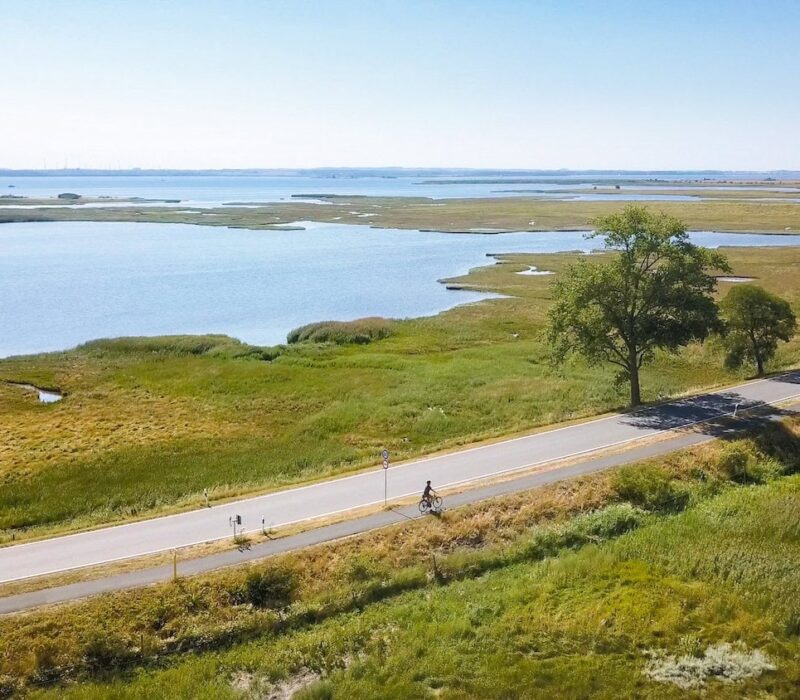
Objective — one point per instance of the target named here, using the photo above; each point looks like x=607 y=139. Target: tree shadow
x=784 y=378
x=710 y=414
x=704 y=411
x=678 y=414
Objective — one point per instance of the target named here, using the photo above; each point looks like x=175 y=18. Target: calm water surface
x=215 y=190
x=63 y=283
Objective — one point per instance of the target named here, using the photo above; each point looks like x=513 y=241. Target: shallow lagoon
x=215 y=190
x=63 y=283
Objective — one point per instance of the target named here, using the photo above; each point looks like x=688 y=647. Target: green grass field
x=147 y=424
x=674 y=578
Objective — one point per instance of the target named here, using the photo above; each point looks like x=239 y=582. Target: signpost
x=385 y=455
x=235 y=520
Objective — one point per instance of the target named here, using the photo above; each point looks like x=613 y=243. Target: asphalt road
x=367 y=488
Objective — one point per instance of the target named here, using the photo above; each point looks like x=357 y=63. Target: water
x=63 y=283
x=216 y=190
x=44 y=395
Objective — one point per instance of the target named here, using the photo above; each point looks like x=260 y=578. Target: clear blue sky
x=491 y=83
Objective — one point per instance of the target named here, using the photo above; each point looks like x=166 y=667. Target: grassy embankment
x=147 y=424
x=512 y=213
x=574 y=590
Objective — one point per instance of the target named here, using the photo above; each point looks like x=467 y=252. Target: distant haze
x=633 y=85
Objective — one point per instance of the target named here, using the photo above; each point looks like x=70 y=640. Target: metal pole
x=385 y=455
x=174 y=564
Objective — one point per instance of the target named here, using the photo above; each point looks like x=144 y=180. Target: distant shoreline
x=391 y=171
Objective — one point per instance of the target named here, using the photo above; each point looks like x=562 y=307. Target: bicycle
x=430 y=505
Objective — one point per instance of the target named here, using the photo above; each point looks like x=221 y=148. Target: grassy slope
x=148 y=424
x=497 y=619
x=513 y=213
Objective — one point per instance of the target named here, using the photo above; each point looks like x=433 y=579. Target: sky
x=678 y=84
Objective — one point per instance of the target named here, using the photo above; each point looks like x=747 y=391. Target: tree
x=755 y=321
x=655 y=292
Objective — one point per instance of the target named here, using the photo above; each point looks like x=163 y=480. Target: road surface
x=367 y=488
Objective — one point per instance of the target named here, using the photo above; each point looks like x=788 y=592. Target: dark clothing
x=426 y=494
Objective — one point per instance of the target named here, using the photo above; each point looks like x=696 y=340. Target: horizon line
x=394 y=168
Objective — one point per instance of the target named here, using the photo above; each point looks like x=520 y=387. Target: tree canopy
x=755 y=321
x=656 y=291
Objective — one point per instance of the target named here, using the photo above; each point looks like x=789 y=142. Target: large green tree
x=655 y=291
x=755 y=321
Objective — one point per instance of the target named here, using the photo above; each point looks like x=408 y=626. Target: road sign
x=385 y=455
x=385 y=463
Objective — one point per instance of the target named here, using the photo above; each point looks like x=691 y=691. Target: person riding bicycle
x=427 y=494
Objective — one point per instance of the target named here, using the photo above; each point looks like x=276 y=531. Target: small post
x=263 y=527
x=735 y=408
x=205 y=493
x=235 y=520
x=174 y=564
x=385 y=456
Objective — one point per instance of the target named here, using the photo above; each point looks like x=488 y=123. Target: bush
x=359 y=332
x=740 y=463
x=650 y=488
x=273 y=588
x=725 y=662
x=159 y=345
x=319 y=690
x=106 y=652
x=8 y=687
x=599 y=525
x=736 y=461
x=211 y=345
x=45 y=661
x=779 y=443
x=608 y=522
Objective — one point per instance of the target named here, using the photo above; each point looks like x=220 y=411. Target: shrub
x=651 y=488
x=8 y=687
x=740 y=463
x=362 y=569
x=724 y=662
x=45 y=661
x=158 y=345
x=611 y=521
x=107 y=652
x=273 y=588
x=778 y=442
x=211 y=345
x=603 y=524
x=735 y=461
x=318 y=690
x=359 y=332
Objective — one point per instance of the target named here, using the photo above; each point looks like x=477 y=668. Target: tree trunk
x=633 y=373
x=756 y=353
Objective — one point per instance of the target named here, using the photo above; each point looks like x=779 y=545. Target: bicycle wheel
x=437 y=502
x=424 y=506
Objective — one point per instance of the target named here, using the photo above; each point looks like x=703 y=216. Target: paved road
x=364 y=489
x=383 y=518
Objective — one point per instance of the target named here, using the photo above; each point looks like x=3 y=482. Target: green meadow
x=669 y=579
x=147 y=424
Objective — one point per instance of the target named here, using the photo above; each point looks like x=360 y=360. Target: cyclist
x=426 y=494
